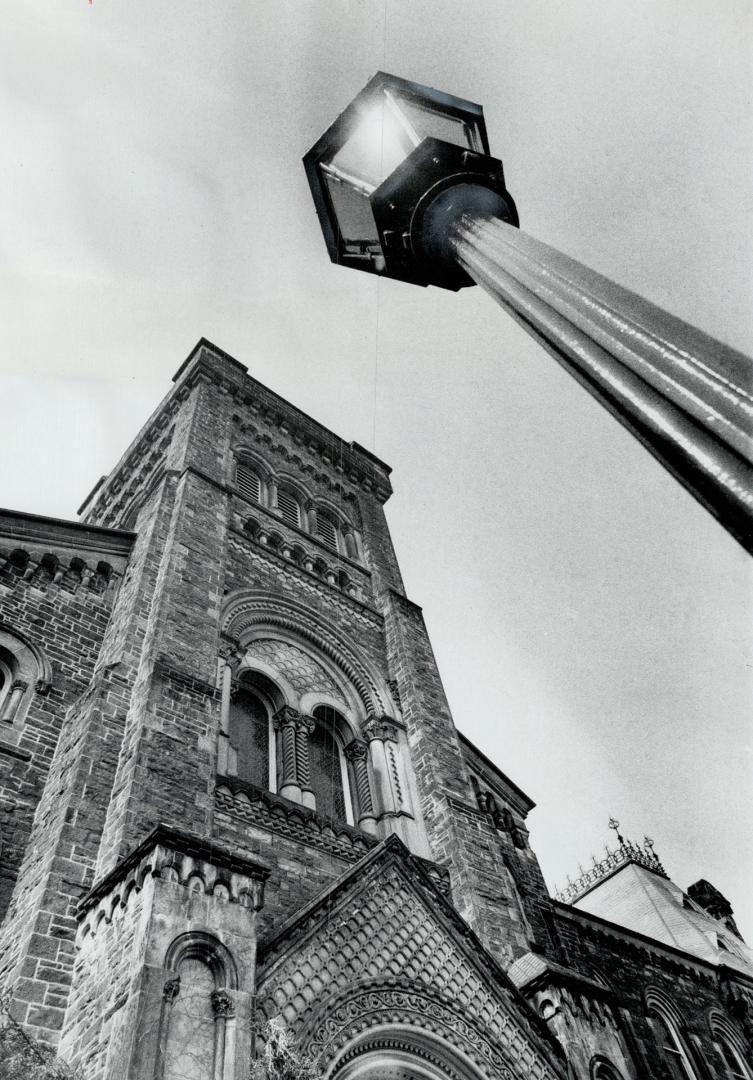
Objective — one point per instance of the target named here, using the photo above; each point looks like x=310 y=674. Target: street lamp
x=404 y=186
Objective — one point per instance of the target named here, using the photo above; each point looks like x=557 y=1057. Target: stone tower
x=237 y=791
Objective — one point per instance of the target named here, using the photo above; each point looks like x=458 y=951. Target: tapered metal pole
x=687 y=397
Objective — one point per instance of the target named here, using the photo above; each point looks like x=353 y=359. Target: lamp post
x=404 y=186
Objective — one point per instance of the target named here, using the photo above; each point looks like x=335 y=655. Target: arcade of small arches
x=256 y=483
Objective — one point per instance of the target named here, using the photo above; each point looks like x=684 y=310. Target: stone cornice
x=497 y=780
x=33 y=530
x=157 y=852
x=207 y=361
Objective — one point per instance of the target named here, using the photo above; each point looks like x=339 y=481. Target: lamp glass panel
x=380 y=141
x=427 y=120
x=355 y=220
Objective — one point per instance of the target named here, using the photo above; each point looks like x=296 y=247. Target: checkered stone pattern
x=387 y=933
x=301 y=671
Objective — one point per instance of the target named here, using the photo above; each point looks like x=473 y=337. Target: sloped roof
x=647 y=903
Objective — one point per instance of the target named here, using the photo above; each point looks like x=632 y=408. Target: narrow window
x=247 y=482
x=326 y=531
x=249 y=737
x=289 y=507
x=5 y=680
x=328 y=772
x=675 y=1054
x=733 y=1062
x=190 y=1049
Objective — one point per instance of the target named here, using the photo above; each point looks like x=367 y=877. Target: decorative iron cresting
x=627 y=852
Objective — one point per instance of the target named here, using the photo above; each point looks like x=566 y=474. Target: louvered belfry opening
x=247 y=482
x=289 y=508
x=326 y=530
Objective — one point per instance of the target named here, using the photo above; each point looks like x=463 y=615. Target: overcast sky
x=592 y=624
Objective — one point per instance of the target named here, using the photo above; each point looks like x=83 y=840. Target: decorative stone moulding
x=388 y=1003
x=272 y=537
x=189 y=861
x=116 y=494
x=320 y=454
x=246 y=609
x=267 y=810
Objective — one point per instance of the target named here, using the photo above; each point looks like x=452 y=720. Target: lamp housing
x=394 y=171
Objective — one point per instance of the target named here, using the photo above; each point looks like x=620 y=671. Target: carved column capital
x=306 y=724
x=231 y=651
x=171 y=989
x=357 y=750
x=382 y=728
x=286 y=716
x=223 y=1005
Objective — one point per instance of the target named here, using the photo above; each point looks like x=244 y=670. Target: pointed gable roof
x=383 y=945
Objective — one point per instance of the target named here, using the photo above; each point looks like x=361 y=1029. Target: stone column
x=223 y=1007
x=304 y=728
x=382 y=735
x=223 y=737
x=357 y=753
x=10 y=707
x=286 y=722
x=170 y=991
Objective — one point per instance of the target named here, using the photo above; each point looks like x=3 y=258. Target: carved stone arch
x=658 y=1002
x=24 y=670
x=197 y=1026
x=197 y=944
x=290 y=480
x=341 y=1024
x=31 y=658
x=294 y=649
x=345 y=728
x=601 y=1068
x=249 y=608
x=724 y=1031
x=397 y=1051
x=255 y=674
x=249 y=456
x=334 y=510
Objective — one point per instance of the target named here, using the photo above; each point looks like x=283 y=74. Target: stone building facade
x=231 y=791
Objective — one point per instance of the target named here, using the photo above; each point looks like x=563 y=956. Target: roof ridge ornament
x=626 y=852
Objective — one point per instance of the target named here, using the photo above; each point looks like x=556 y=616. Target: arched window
x=667 y=1029
x=198 y=1009
x=730 y=1047
x=733 y=1061
x=248 y=482
x=23 y=670
x=329 y=774
x=602 y=1069
x=250 y=719
x=289 y=507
